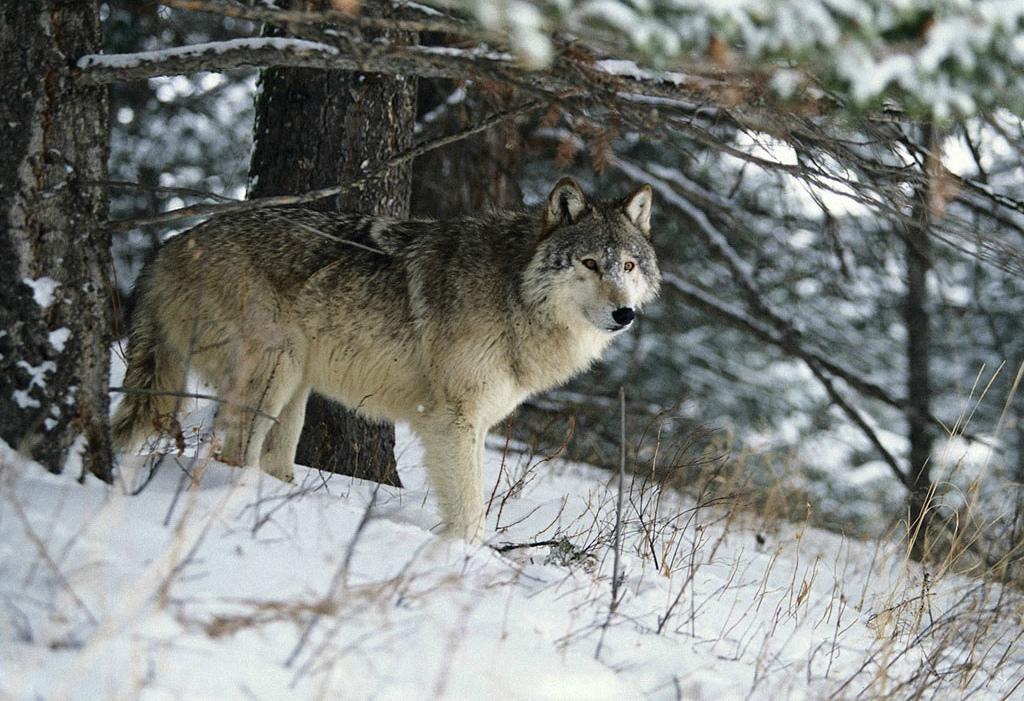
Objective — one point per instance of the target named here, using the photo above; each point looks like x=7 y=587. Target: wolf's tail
x=153 y=367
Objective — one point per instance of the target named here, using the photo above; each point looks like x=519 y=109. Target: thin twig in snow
x=340 y=575
x=617 y=545
x=192 y=395
x=44 y=555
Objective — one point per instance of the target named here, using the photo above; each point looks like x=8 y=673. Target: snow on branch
x=396 y=58
x=97 y=69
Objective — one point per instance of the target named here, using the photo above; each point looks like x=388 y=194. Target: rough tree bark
x=316 y=128
x=918 y=352
x=54 y=254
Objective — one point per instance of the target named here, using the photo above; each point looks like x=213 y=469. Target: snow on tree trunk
x=54 y=253
x=316 y=128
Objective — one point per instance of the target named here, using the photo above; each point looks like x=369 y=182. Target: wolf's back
x=211 y=293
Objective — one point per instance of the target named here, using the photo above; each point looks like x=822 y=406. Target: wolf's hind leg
x=453 y=461
x=278 y=458
x=264 y=382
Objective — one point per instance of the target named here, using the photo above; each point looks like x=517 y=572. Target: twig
x=617 y=544
x=192 y=395
x=506 y=547
x=337 y=580
x=161 y=189
x=501 y=468
x=616 y=578
x=45 y=555
x=282 y=216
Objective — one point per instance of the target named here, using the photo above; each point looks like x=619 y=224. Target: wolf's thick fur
x=446 y=325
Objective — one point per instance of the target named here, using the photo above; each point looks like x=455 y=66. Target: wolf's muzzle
x=623 y=316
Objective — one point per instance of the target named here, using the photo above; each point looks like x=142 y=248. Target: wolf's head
x=594 y=262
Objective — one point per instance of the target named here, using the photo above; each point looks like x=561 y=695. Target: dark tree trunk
x=473 y=174
x=317 y=128
x=54 y=254
x=918 y=352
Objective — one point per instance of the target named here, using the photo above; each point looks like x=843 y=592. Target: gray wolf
x=446 y=325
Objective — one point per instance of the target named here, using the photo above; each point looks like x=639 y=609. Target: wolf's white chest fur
x=555 y=355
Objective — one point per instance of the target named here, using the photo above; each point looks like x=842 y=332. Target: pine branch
x=814 y=362
x=788 y=337
x=785 y=335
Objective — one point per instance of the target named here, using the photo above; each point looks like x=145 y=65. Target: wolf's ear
x=638 y=208
x=565 y=203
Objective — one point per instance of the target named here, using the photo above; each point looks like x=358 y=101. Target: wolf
x=446 y=325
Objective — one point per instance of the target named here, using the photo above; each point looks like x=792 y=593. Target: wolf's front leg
x=453 y=454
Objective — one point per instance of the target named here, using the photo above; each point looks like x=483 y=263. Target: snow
x=630 y=69
x=24 y=400
x=481 y=52
x=36 y=378
x=218 y=582
x=131 y=60
x=58 y=338
x=44 y=290
x=37 y=373
x=456 y=97
x=419 y=7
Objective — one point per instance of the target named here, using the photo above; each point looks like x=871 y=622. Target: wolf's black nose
x=623 y=315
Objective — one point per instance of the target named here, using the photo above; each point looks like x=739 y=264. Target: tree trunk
x=54 y=254
x=918 y=351
x=472 y=174
x=316 y=128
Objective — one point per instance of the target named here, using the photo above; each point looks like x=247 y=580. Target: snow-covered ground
x=218 y=583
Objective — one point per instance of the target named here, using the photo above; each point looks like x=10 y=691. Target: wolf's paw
x=227 y=458
x=472 y=532
x=285 y=474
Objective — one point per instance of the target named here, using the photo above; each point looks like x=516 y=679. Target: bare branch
x=787 y=335
x=204 y=210
x=191 y=395
x=161 y=189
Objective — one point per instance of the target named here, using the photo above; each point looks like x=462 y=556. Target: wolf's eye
x=628 y=266
x=589 y=263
